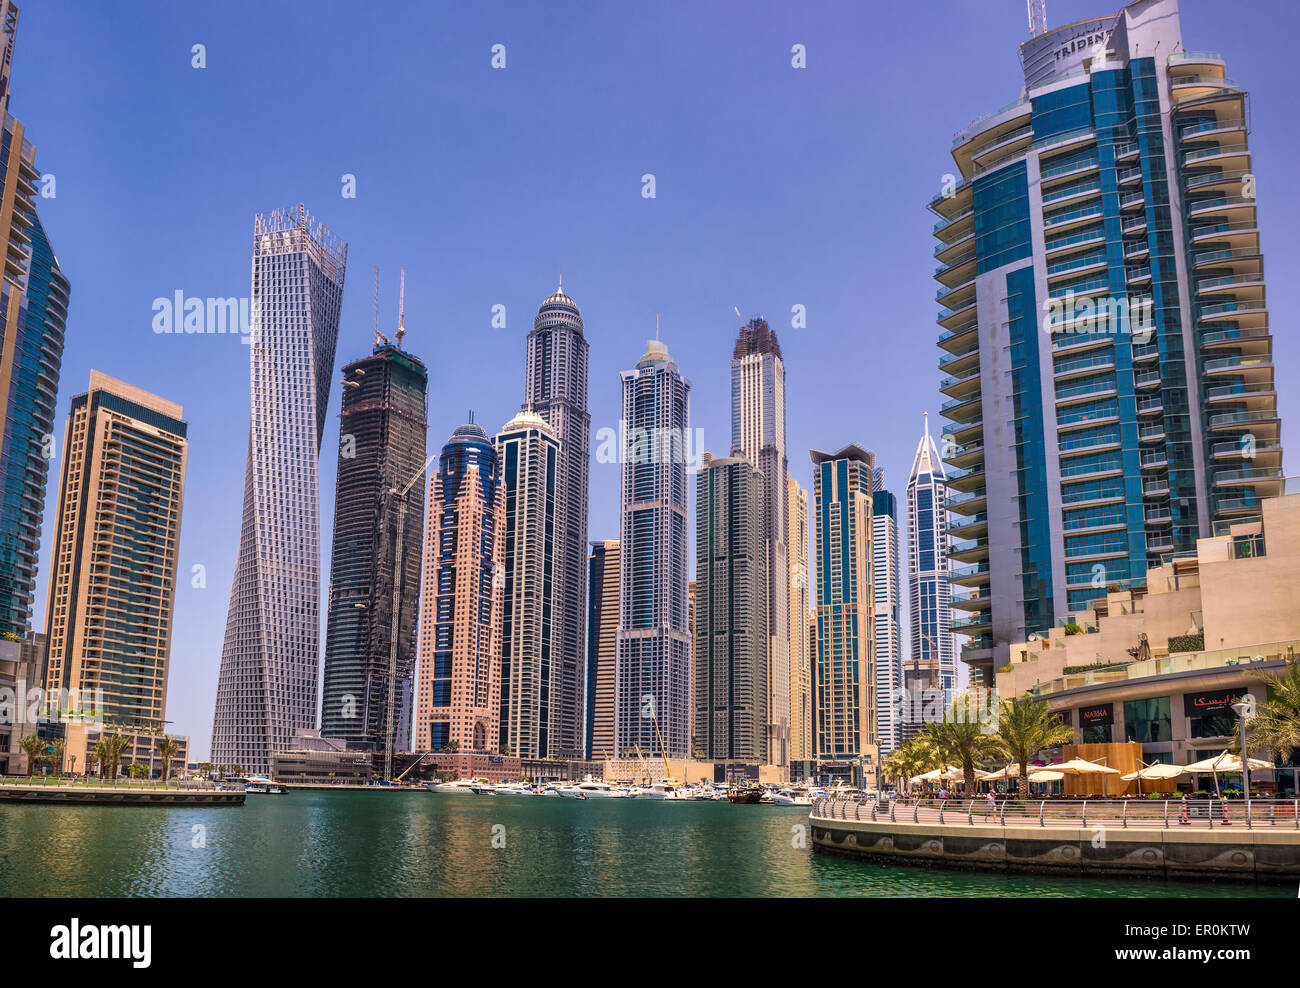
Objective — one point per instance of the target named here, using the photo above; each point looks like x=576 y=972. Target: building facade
x=1105 y=333
x=730 y=630
x=33 y=311
x=382 y=431
x=602 y=632
x=932 y=659
x=758 y=432
x=802 y=646
x=270 y=660
x=844 y=674
x=885 y=622
x=1161 y=665
x=532 y=633
x=113 y=573
x=556 y=389
x=458 y=703
x=653 y=666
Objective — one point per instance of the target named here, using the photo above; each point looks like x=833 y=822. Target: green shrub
x=1073 y=629
x=1187 y=643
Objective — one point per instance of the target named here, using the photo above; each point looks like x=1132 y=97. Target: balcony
x=976 y=526
x=1218 y=127
x=974 y=503
x=962 y=409
x=975 y=626
x=1233 y=420
x=976 y=575
x=961 y=362
x=1158 y=515
x=952 y=318
x=1149 y=432
x=966 y=480
x=1225 y=182
x=1084 y=391
x=1155 y=487
x=1250 y=475
x=950 y=228
x=965 y=457
x=969 y=552
x=975 y=601
x=964 y=432
x=962 y=338
x=1154 y=459
x=1230 y=155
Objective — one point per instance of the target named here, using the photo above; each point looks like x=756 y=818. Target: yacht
x=663 y=789
x=261 y=784
x=462 y=787
x=514 y=789
x=781 y=797
x=590 y=788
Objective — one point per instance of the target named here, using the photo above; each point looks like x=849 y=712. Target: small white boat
x=461 y=787
x=514 y=789
x=781 y=797
x=590 y=788
x=663 y=789
x=261 y=784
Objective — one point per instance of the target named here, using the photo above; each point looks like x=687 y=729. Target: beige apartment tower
x=113 y=578
x=799 y=602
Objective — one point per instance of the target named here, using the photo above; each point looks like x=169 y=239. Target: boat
x=590 y=788
x=781 y=797
x=484 y=788
x=514 y=789
x=663 y=789
x=745 y=794
x=261 y=784
x=461 y=787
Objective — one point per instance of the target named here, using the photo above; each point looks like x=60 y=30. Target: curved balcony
x=965 y=457
x=962 y=386
x=958 y=298
x=967 y=480
x=1253 y=476
x=1054 y=174
x=964 y=433
x=957 y=270
x=1236 y=419
x=971 y=551
x=962 y=338
x=975 y=601
x=962 y=409
x=1263 y=451
x=977 y=526
x=1084 y=364
x=1224 y=182
x=976 y=575
x=956 y=200
x=944 y=252
x=959 y=364
x=1229 y=208
x=952 y=318
x=1231 y=259
x=974 y=503
x=951 y=228
x=1224 y=234
x=976 y=626
x=1253 y=281
x=1230 y=154
x=1221 y=125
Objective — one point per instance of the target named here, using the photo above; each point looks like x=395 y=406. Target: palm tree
x=114 y=745
x=909 y=759
x=59 y=746
x=33 y=747
x=167 y=750
x=101 y=756
x=1026 y=725
x=137 y=769
x=960 y=739
x=1275 y=728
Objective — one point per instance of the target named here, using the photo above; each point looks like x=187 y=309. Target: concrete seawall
x=1262 y=854
x=112 y=796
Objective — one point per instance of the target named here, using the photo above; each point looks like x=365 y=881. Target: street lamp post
x=1241 y=706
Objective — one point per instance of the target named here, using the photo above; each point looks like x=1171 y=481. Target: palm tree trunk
x=1024 y=779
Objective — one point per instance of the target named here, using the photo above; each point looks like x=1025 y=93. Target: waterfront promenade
x=122 y=792
x=1169 y=838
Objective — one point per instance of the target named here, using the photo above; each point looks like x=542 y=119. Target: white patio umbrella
x=1227 y=763
x=1078 y=766
x=1154 y=771
x=1046 y=775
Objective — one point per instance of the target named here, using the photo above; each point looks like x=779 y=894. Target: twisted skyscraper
x=270 y=662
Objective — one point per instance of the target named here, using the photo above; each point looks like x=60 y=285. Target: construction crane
x=401 y=311
x=398 y=497
x=378 y=335
x=1037 y=17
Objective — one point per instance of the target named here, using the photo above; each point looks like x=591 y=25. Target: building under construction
x=381 y=460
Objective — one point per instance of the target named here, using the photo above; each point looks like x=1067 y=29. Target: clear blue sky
x=775 y=187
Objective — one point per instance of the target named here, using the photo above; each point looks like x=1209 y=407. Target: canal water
x=324 y=844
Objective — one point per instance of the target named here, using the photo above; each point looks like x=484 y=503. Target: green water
x=421 y=844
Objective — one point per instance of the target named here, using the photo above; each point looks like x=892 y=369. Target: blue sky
x=775 y=187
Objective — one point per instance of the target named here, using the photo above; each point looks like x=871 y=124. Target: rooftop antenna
x=471 y=416
x=656 y=325
x=401 y=310
x=378 y=335
x=1037 y=17
x=737 y=312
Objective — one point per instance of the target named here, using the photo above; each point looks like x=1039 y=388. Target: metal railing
x=1132 y=813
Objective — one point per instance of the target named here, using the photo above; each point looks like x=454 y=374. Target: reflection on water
x=421 y=844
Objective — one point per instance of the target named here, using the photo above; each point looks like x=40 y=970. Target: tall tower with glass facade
x=932 y=661
x=602 y=630
x=800 y=610
x=731 y=660
x=458 y=701
x=382 y=432
x=1105 y=337
x=885 y=623
x=270 y=662
x=113 y=573
x=758 y=432
x=844 y=672
x=531 y=632
x=653 y=666
x=33 y=312
x=556 y=389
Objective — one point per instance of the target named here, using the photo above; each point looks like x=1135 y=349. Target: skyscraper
x=731 y=661
x=556 y=389
x=382 y=432
x=459 y=696
x=270 y=662
x=801 y=655
x=758 y=432
x=113 y=574
x=602 y=630
x=1104 y=325
x=884 y=598
x=33 y=311
x=529 y=456
x=652 y=682
x=932 y=663
x=844 y=674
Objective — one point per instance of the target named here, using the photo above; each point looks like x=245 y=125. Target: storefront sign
x=1097 y=716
